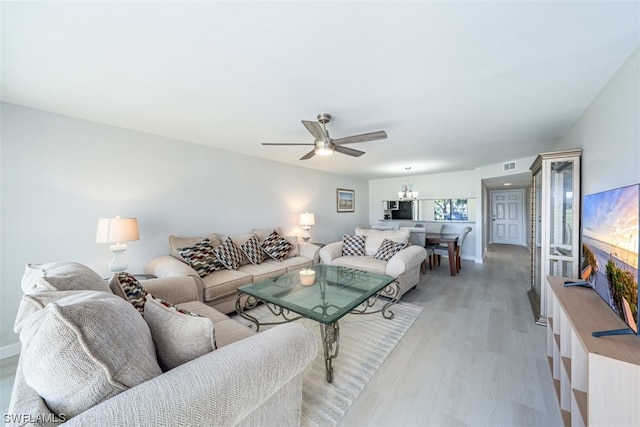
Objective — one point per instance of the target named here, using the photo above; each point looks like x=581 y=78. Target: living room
x=61 y=173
